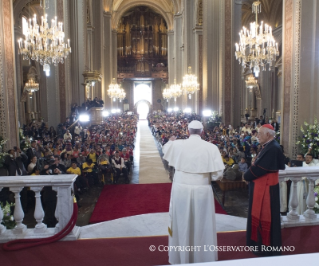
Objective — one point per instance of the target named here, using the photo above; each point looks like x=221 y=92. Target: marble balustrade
x=62 y=184
x=295 y=174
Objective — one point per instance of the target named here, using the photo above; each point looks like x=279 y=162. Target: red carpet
x=135 y=251
x=118 y=201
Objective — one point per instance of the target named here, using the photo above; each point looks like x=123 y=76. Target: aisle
x=151 y=167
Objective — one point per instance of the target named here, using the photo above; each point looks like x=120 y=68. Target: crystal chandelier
x=257 y=46
x=115 y=91
x=190 y=85
x=31 y=86
x=44 y=44
x=167 y=93
x=121 y=95
x=251 y=82
x=175 y=90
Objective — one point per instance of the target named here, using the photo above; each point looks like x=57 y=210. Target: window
x=24 y=26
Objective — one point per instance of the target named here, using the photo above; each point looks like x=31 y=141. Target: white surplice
x=192 y=208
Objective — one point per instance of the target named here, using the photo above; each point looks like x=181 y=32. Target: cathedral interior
x=153 y=43
x=91 y=61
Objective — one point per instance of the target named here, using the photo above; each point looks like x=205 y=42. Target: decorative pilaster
x=8 y=90
x=62 y=87
x=213 y=54
x=78 y=44
x=107 y=58
x=171 y=55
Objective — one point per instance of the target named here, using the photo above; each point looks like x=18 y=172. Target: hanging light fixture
x=175 y=90
x=31 y=86
x=257 y=46
x=167 y=93
x=121 y=95
x=251 y=82
x=190 y=85
x=43 y=43
x=115 y=91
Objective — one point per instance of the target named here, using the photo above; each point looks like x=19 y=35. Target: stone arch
x=114 y=5
x=154 y=5
x=142 y=101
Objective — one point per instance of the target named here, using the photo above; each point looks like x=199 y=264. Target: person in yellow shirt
x=92 y=156
x=88 y=166
x=79 y=183
x=74 y=169
x=228 y=161
x=90 y=175
x=103 y=164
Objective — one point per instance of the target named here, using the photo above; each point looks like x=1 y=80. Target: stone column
x=171 y=57
x=178 y=49
x=198 y=70
x=114 y=54
x=107 y=58
x=236 y=75
x=8 y=87
x=300 y=68
x=52 y=100
x=213 y=54
x=78 y=45
x=189 y=53
x=69 y=100
x=64 y=112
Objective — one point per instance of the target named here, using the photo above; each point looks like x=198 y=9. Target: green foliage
x=8 y=220
x=3 y=154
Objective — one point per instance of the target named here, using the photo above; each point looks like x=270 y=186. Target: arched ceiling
x=165 y=8
x=171 y=5
x=271 y=13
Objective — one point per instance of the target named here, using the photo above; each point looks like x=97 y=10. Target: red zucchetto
x=268 y=126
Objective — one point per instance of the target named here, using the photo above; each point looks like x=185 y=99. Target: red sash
x=261 y=209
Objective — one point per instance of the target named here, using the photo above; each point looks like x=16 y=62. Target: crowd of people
x=97 y=154
x=236 y=145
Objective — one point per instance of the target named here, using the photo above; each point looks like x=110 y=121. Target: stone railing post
x=293 y=214
x=310 y=213
x=18 y=211
x=2 y=227
x=38 y=212
x=64 y=206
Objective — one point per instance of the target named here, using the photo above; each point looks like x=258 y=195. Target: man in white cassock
x=192 y=224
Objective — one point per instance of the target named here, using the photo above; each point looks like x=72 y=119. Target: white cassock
x=192 y=208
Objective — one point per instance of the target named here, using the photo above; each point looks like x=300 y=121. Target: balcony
x=62 y=184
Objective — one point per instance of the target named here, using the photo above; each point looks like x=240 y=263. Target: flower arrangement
x=277 y=137
x=8 y=220
x=309 y=138
x=25 y=142
x=316 y=191
x=2 y=153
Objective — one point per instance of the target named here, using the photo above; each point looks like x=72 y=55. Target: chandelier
x=257 y=46
x=190 y=85
x=167 y=93
x=31 y=86
x=115 y=91
x=44 y=44
x=251 y=82
x=175 y=90
x=121 y=95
